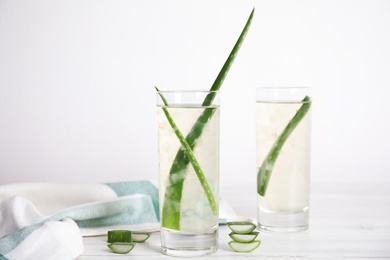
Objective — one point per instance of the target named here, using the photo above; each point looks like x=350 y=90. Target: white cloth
x=27 y=233
x=50 y=198
x=47 y=221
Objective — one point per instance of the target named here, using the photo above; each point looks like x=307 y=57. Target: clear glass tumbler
x=188 y=156
x=283 y=158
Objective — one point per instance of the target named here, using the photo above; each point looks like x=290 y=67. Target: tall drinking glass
x=188 y=156
x=283 y=158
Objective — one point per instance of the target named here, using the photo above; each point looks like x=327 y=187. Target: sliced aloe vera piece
x=121 y=247
x=139 y=237
x=244 y=238
x=241 y=227
x=119 y=236
x=244 y=247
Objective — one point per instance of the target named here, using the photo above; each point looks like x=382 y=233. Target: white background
x=77 y=100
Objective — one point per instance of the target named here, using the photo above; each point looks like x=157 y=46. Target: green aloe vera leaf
x=244 y=238
x=244 y=247
x=265 y=170
x=170 y=216
x=140 y=237
x=121 y=247
x=119 y=236
x=194 y=162
x=241 y=227
x=229 y=61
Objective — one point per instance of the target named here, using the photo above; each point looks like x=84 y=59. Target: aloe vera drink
x=285 y=205
x=198 y=224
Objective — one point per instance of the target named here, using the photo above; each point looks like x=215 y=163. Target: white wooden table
x=347 y=221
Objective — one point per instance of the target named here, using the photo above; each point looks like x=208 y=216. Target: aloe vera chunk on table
x=244 y=238
x=121 y=247
x=241 y=227
x=244 y=247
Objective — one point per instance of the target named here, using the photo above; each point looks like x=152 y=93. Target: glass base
x=174 y=243
x=283 y=221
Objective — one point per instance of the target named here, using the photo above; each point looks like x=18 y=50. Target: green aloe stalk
x=170 y=216
x=265 y=170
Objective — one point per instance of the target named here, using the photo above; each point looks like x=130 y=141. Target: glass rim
x=187 y=91
x=284 y=87
x=283 y=94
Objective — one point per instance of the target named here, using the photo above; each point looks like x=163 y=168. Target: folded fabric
x=47 y=221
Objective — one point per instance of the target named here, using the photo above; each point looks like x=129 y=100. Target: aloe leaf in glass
x=191 y=157
x=265 y=170
x=170 y=216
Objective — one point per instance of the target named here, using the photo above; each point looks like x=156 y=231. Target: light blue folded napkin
x=27 y=231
